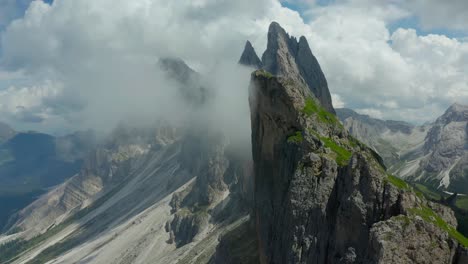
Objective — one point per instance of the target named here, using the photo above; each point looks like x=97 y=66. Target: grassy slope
x=460 y=208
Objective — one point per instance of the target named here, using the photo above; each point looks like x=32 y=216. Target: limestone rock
x=249 y=57
x=285 y=56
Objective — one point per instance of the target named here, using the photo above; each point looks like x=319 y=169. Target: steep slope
x=285 y=55
x=392 y=140
x=444 y=160
x=165 y=200
x=321 y=196
x=34 y=162
x=159 y=194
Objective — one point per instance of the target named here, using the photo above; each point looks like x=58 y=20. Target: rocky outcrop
x=285 y=56
x=238 y=246
x=249 y=57
x=186 y=225
x=321 y=196
x=222 y=188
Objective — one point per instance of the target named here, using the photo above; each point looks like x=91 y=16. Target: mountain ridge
x=287 y=56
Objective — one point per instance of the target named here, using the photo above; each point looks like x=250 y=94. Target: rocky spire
x=249 y=57
x=288 y=57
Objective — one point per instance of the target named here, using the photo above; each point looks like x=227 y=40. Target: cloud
x=28 y=104
x=440 y=14
x=337 y=101
x=11 y=9
x=105 y=62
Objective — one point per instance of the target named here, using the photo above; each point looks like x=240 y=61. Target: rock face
x=285 y=56
x=249 y=57
x=315 y=202
x=320 y=195
x=445 y=162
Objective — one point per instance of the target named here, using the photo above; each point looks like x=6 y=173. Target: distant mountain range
x=31 y=162
x=435 y=154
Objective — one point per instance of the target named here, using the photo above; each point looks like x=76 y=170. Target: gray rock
x=310 y=206
x=249 y=57
x=285 y=56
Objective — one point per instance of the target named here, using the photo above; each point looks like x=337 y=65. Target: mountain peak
x=286 y=56
x=275 y=27
x=457 y=107
x=455 y=113
x=249 y=57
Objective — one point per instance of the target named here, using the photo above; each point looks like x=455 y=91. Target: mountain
x=443 y=160
x=249 y=57
x=390 y=139
x=165 y=193
x=33 y=162
x=434 y=154
x=285 y=55
x=156 y=194
x=323 y=197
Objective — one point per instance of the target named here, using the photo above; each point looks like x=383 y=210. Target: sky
x=67 y=64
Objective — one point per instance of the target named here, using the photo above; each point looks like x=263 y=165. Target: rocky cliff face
x=445 y=160
x=249 y=57
x=323 y=197
x=285 y=55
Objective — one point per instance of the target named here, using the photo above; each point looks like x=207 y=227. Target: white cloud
x=28 y=108
x=105 y=61
x=392 y=76
x=439 y=14
x=11 y=9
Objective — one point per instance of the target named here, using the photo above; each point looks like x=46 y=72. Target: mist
x=104 y=69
